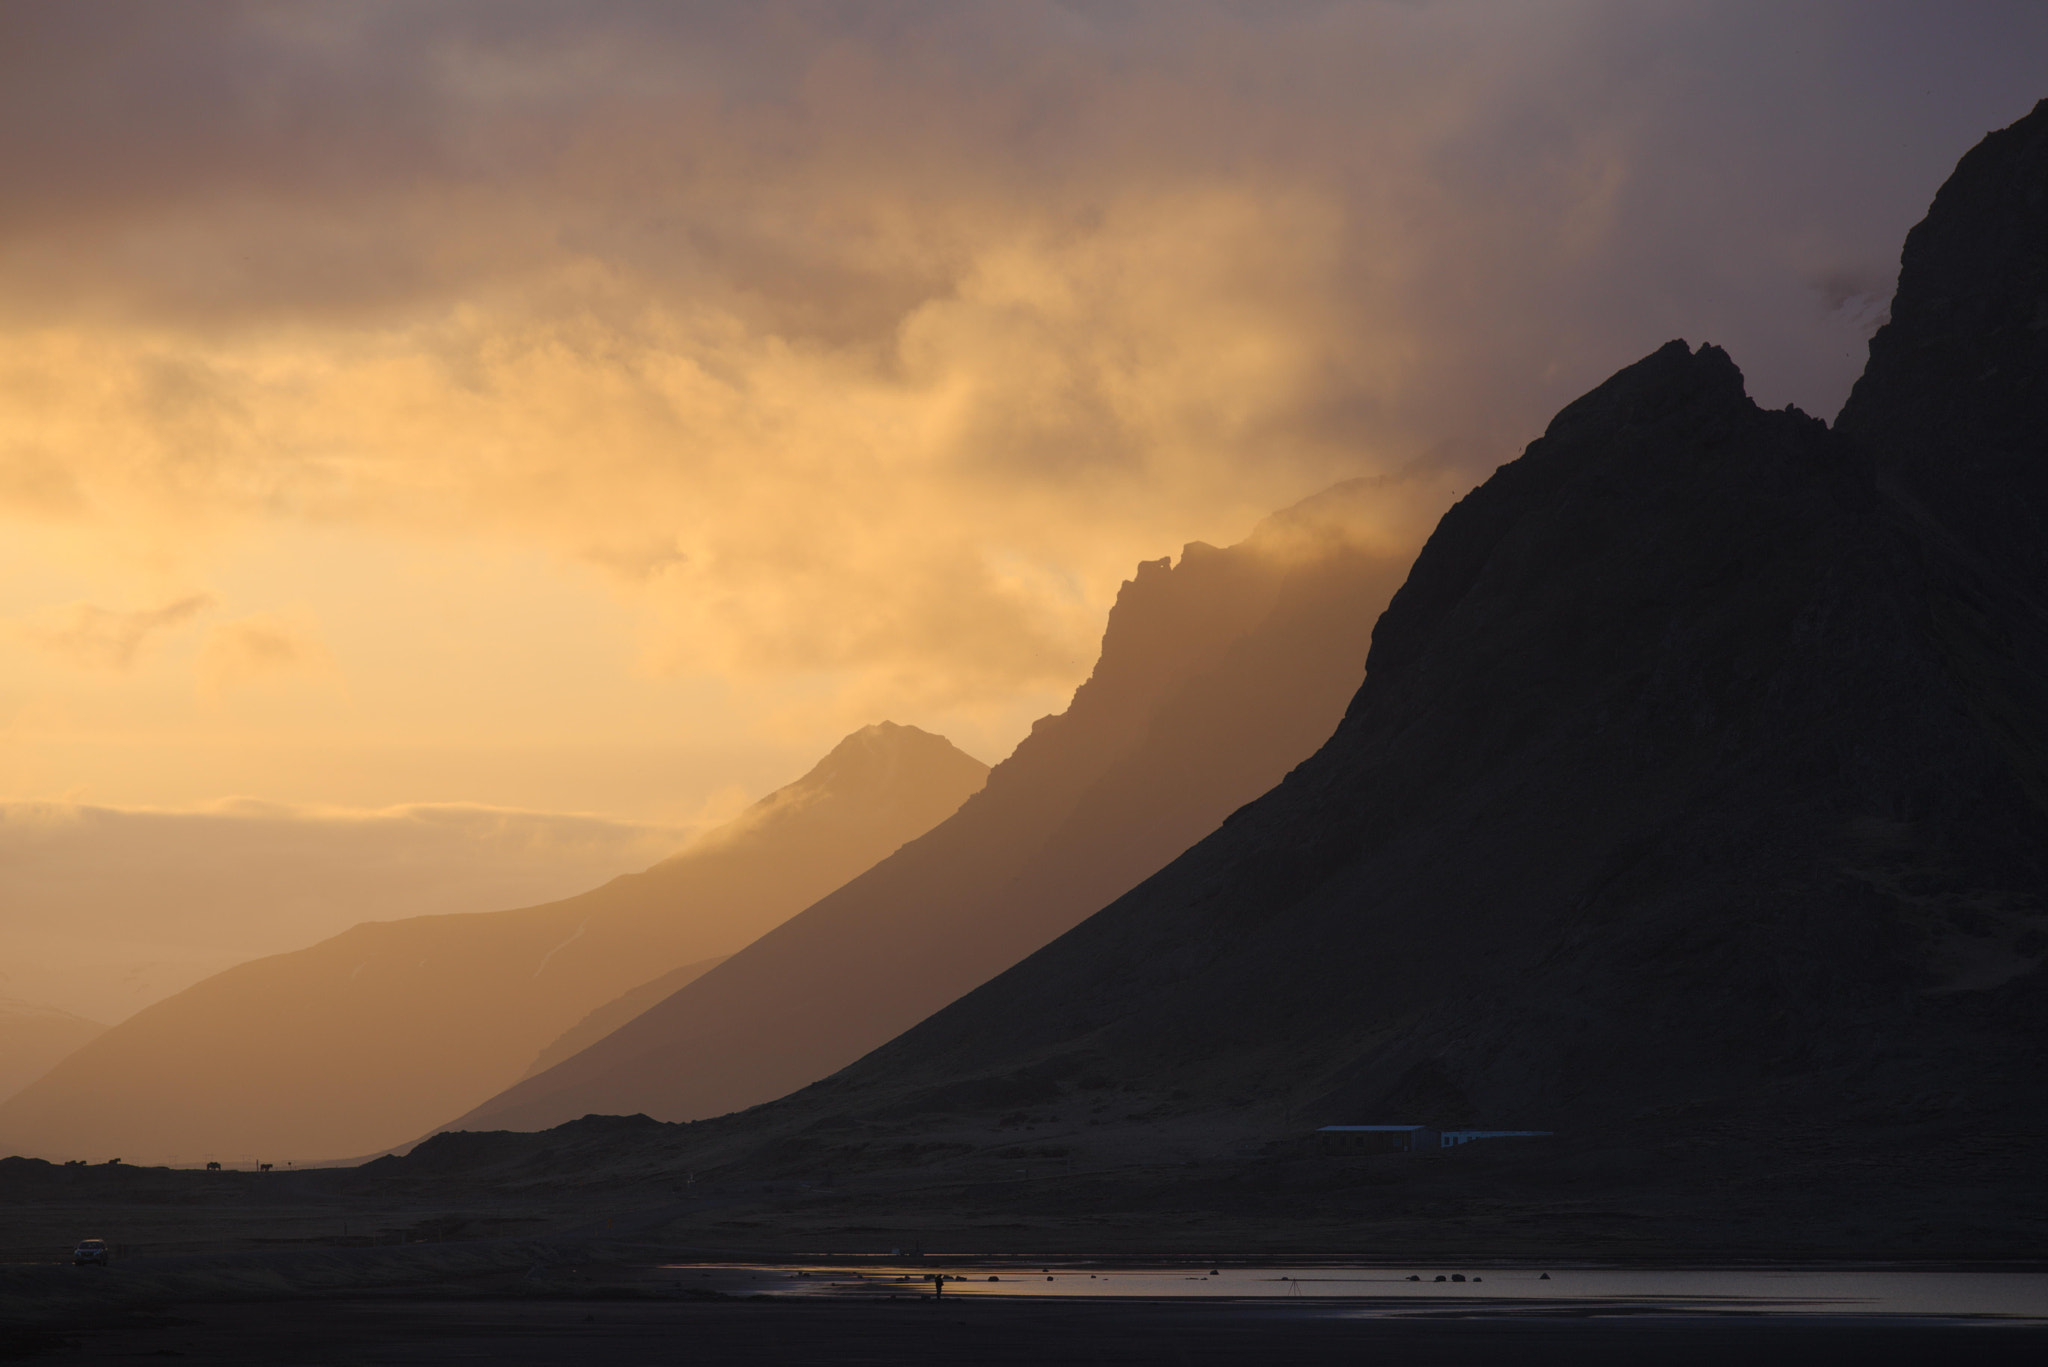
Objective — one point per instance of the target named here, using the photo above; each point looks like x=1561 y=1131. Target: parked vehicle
x=90 y=1253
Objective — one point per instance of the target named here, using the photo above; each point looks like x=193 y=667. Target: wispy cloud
x=101 y=638
x=258 y=648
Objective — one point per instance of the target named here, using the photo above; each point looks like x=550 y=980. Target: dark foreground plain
x=404 y=1332
x=500 y=1262
x=1063 y=1181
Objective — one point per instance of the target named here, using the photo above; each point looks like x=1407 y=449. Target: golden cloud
x=101 y=638
x=862 y=350
x=259 y=648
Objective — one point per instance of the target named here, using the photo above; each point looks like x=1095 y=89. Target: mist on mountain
x=1217 y=675
x=105 y=910
x=33 y=1038
x=1692 y=808
x=604 y=1019
x=365 y=1039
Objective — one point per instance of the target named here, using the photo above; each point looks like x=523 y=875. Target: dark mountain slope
x=365 y=1039
x=1953 y=404
x=1952 y=412
x=1695 y=774
x=1216 y=675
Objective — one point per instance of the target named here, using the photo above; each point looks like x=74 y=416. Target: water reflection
x=1463 y=1289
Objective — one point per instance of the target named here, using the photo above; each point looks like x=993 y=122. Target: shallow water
x=1486 y=1290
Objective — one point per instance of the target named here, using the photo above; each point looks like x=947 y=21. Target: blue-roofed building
x=1376 y=1139
x=1451 y=1139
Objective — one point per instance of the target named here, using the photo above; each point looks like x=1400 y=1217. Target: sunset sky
x=601 y=408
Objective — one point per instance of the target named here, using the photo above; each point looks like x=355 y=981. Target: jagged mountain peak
x=881 y=753
x=1954 y=401
x=878 y=773
x=1217 y=674
x=1684 y=810
x=1689 y=771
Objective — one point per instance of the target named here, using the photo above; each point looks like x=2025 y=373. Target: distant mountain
x=1217 y=675
x=33 y=1039
x=617 y=1012
x=104 y=910
x=368 y=1038
x=1698 y=786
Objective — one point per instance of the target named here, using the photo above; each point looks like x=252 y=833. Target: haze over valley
x=106 y=910
x=360 y=1041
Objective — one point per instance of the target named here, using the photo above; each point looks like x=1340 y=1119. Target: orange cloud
x=259 y=648
x=99 y=638
x=842 y=360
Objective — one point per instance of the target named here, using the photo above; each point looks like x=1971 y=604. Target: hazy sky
x=603 y=407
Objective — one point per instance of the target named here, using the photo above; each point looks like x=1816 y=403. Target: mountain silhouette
x=1217 y=674
x=366 y=1039
x=1698 y=780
